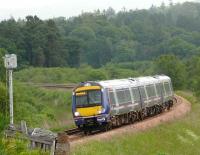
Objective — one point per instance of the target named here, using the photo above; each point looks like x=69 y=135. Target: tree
x=100 y=52
x=2 y=68
x=3 y=106
x=109 y=13
x=3 y=95
x=170 y=65
x=34 y=39
x=54 y=51
x=125 y=51
x=73 y=46
x=193 y=74
x=38 y=57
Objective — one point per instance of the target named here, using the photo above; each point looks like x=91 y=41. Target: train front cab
x=90 y=108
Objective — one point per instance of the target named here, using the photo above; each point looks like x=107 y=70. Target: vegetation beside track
x=72 y=75
x=41 y=107
x=178 y=137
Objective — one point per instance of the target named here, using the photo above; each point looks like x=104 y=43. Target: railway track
x=72 y=131
x=75 y=134
x=69 y=86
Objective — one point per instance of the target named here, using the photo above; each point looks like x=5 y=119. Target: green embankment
x=52 y=109
x=73 y=75
x=17 y=147
x=41 y=107
x=178 y=137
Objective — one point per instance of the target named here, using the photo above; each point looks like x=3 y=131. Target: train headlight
x=101 y=111
x=76 y=113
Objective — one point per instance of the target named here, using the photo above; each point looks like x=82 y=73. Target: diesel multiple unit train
x=121 y=101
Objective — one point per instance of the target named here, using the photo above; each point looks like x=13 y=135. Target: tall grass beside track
x=41 y=107
x=179 y=137
x=72 y=75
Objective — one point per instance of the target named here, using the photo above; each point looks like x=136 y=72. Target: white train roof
x=134 y=81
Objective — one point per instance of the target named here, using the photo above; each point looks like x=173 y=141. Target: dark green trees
x=2 y=68
x=74 y=51
x=104 y=37
x=173 y=67
x=3 y=95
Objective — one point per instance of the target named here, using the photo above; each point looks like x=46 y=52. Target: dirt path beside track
x=180 y=109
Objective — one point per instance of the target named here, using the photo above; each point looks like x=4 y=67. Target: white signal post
x=10 y=62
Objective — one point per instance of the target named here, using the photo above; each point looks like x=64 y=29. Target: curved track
x=181 y=108
x=53 y=86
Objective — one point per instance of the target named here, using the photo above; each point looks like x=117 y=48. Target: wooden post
x=62 y=145
x=32 y=144
x=24 y=127
x=53 y=148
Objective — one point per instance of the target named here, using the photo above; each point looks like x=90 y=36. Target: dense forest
x=104 y=36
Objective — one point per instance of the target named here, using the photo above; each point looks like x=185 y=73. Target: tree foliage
x=173 y=67
x=105 y=36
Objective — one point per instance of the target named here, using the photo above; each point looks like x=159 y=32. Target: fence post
x=53 y=148
x=62 y=144
x=24 y=127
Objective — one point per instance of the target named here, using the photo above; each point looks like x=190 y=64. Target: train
x=112 y=103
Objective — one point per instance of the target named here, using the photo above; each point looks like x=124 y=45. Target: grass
x=59 y=75
x=41 y=107
x=180 y=137
x=72 y=75
x=17 y=147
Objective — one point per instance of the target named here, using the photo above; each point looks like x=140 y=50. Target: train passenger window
x=143 y=94
x=123 y=96
x=112 y=98
x=120 y=96
x=158 y=88
x=162 y=88
x=128 y=95
x=150 y=91
x=167 y=88
x=136 y=94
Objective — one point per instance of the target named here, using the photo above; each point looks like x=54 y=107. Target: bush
x=3 y=107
